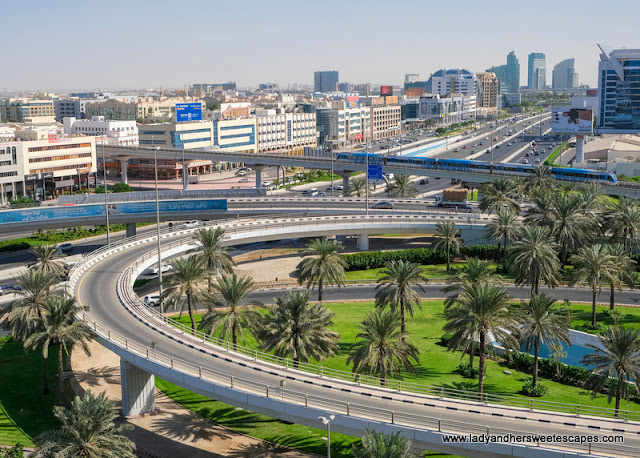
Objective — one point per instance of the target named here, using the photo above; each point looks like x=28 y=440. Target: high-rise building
x=451 y=81
x=537 y=75
x=344 y=87
x=513 y=73
x=564 y=75
x=501 y=73
x=326 y=81
x=487 y=94
x=619 y=89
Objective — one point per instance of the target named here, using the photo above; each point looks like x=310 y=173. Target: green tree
x=402 y=187
x=357 y=187
x=499 y=194
x=625 y=269
x=395 y=287
x=540 y=212
x=17 y=451
x=540 y=177
x=45 y=259
x=571 y=226
x=121 y=187
x=482 y=307
x=380 y=445
x=619 y=359
x=542 y=321
x=594 y=265
x=383 y=349
x=295 y=328
x=210 y=249
x=60 y=327
x=533 y=259
x=88 y=430
x=448 y=240
x=323 y=266
x=25 y=315
x=186 y=283
x=623 y=222
x=229 y=310
x=505 y=227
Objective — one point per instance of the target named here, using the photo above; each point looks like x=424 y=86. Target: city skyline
x=130 y=45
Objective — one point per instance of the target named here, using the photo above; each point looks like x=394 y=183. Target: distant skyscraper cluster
x=537 y=71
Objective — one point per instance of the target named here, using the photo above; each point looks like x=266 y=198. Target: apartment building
x=285 y=133
x=21 y=110
x=386 y=121
x=116 y=133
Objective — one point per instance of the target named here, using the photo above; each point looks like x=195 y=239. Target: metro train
x=464 y=165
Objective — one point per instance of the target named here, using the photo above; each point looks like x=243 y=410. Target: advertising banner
x=120 y=208
x=386 y=90
x=188 y=112
x=353 y=102
x=592 y=92
x=572 y=120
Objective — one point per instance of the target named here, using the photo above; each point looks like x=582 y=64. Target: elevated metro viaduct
x=259 y=161
x=149 y=346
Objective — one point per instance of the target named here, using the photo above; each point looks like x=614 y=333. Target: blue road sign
x=375 y=172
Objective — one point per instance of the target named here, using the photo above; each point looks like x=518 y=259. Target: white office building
x=117 y=133
x=452 y=81
x=619 y=89
x=447 y=110
x=287 y=133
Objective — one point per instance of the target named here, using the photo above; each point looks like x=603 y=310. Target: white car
x=154 y=270
x=266 y=184
x=152 y=300
x=189 y=224
x=321 y=194
x=64 y=247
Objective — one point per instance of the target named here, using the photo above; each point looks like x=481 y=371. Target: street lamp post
x=106 y=202
x=331 y=171
x=366 y=185
x=155 y=161
x=327 y=422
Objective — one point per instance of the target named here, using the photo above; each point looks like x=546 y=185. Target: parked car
x=189 y=224
x=384 y=204
x=266 y=184
x=152 y=300
x=241 y=173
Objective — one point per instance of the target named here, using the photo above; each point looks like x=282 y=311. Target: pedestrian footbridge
x=149 y=345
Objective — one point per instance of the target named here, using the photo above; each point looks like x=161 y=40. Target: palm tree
x=402 y=187
x=25 y=315
x=540 y=213
x=228 y=308
x=60 y=327
x=592 y=196
x=540 y=177
x=294 y=327
x=357 y=187
x=619 y=358
x=542 y=321
x=210 y=248
x=397 y=282
x=481 y=308
x=380 y=445
x=499 y=194
x=533 y=258
x=594 y=265
x=623 y=221
x=625 y=269
x=189 y=273
x=45 y=259
x=326 y=265
x=447 y=235
x=504 y=227
x=87 y=430
x=571 y=226
x=383 y=349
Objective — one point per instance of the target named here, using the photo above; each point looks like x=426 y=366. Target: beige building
x=487 y=94
x=147 y=108
x=385 y=121
x=285 y=133
x=21 y=110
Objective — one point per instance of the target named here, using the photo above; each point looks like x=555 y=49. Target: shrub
x=587 y=326
x=537 y=392
x=486 y=252
x=444 y=338
x=467 y=371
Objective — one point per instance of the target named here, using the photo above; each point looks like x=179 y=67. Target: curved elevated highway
x=150 y=346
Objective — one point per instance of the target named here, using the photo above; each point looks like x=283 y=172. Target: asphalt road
x=97 y=290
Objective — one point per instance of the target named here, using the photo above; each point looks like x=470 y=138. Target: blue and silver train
x=464 y=165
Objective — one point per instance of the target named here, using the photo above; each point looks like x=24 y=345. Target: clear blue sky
x=144 y=44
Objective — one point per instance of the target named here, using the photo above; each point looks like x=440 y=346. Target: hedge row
x=424 y=256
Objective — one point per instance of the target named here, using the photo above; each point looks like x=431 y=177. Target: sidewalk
x=170 y=431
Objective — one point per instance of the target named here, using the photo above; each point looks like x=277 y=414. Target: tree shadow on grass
x=231 y=417
x=262 y=449
x=183 y=427
x=472 y=385
x=93 y=376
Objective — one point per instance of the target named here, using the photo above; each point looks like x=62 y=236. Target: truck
x=453 y=197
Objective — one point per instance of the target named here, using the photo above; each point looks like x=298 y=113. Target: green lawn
x=24 y=411
x=437 y=365
x=435 y=271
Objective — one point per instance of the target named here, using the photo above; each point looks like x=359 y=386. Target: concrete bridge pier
x=345 y=183
x=579 y=148
x=185 y=176
x=258 y=169
x=363 y=242
x=131 y=229
x=124 y=168
x=137 y=390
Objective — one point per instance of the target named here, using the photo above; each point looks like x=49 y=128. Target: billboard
x=391 y=100
x=572 y=120
x=592 y=92
x=353 y=102
x=188 y=112
x=386 y=90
